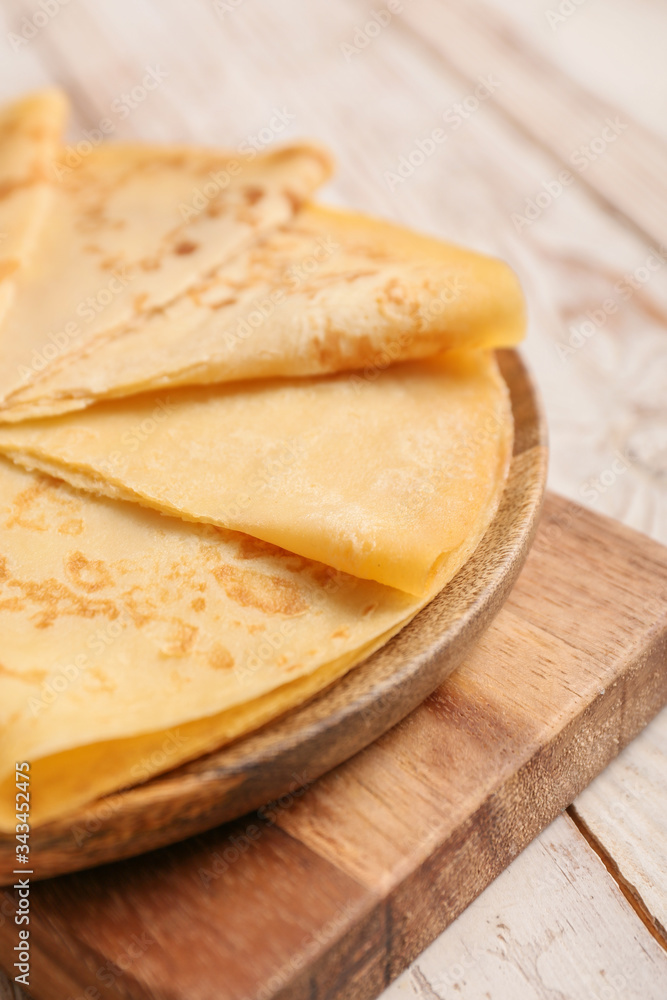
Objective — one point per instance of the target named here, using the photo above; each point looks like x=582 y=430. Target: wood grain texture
x=630 y=176
x=625 y=810
x=599 y=48
x=593 y=946
x=332 y=892
x=341 y=720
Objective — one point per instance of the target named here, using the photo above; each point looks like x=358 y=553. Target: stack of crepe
x=244 y=438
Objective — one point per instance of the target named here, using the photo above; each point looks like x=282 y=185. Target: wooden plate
x=340 y=721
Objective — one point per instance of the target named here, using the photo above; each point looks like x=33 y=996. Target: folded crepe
x=288 y=515
x=375 y=476
x=133 y=641
x=131 y=227
x=30 y=135
x=325 y=292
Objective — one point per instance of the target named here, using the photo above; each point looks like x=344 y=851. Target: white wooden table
x=552 y=152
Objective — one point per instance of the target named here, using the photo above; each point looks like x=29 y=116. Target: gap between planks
x=631 y=894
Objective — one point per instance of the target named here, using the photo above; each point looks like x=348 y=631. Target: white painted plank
x=21 y=68
x=613 y=48
x=628 y=169
x=626 y=810
x=553 y=926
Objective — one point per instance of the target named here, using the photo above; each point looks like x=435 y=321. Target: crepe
x=320 y=440
x=327 y=291
x=30 y=132
x=130 y=228
x=134 y=641
x=374 y=476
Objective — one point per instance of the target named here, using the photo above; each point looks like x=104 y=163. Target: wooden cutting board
x=333 y=890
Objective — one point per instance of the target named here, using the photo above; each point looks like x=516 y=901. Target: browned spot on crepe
x=271 y=594
x=222 y=303
x=10 y=127
x=21 y=515
x=252 y=194
x=181 y=570
x=140 y=608
x=199 y=604
x=8 y=267
x=9 y=187
x=72 y=527
x=294 y=199
x=220 y=658
x=89 y=574
x=109 y=263
x=180 y=639
x=33 y=509
x=150 y=264
x=103 y=682
x=27 y=676
x=54 y=600
x=185 y=247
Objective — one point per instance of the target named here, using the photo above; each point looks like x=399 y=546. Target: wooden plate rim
x=340 y=721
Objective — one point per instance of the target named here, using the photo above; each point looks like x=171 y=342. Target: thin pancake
x=375 y=476
x=30 y=135
x=120 y=626
x=328 y=291
x=131 y=227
